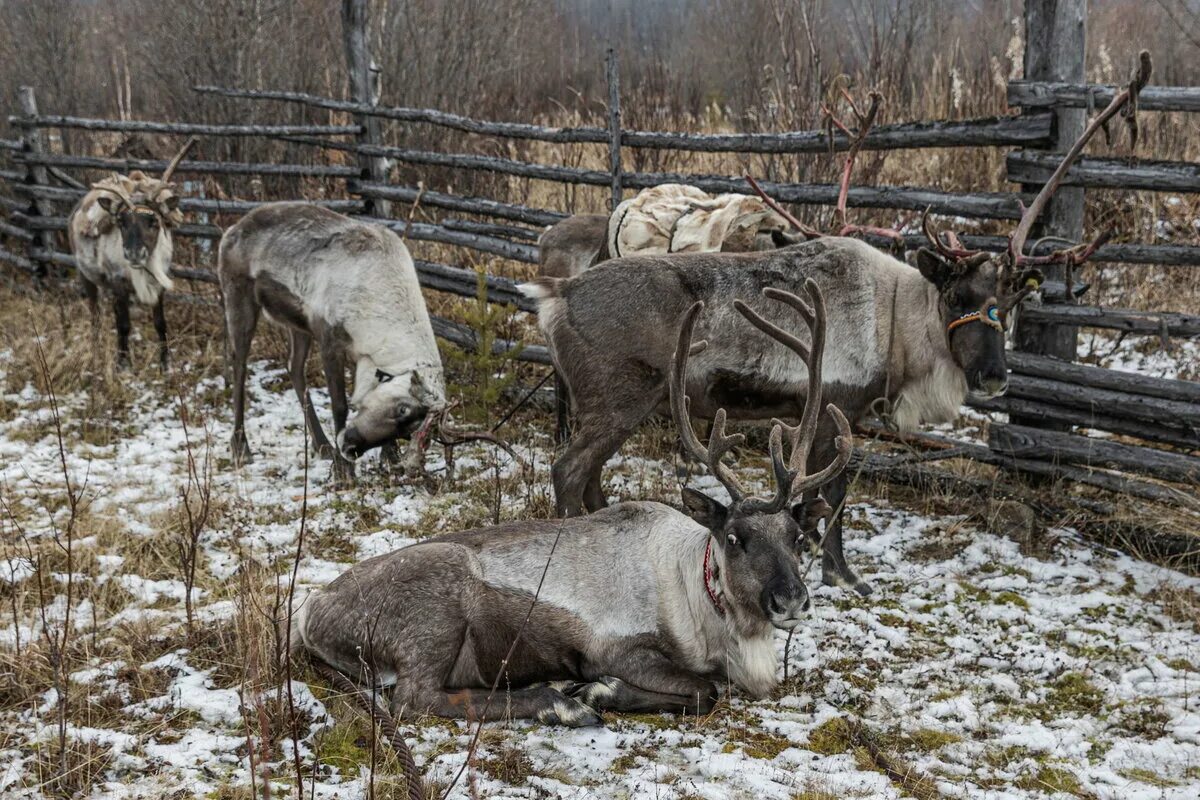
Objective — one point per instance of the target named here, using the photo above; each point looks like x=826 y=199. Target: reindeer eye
x=382 y=376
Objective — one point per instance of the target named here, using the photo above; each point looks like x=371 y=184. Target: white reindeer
x=353 y=287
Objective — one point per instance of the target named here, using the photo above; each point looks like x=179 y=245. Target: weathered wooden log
x=12 y=144
x=12 y=175
x=18 y=261
x=1046 y=94
x=464 y=282
x=193 y=274
x=1121 y=484
x=1033 y=167
x=34 y=141
x=436 y=233
x=987 y=131
x=12 y=203
x=52 y=257
x=1102 y=378
x=15 y=232
x=192 y=167
x=451 y=202
x=1175 y=436
x=491 y=229
x=181 y=128
x=1096 y=520
x=458 y=334
x=988 y=205
x=1171 y=413
x=1147 y=323
x=1018 y=441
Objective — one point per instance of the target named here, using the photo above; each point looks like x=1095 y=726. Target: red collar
x=710 y=574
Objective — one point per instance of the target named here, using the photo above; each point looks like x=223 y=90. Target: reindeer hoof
x=846 y=579
x=240 y=453
x=568 y=711
x=343 y=471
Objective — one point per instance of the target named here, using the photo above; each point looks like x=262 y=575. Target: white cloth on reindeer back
x=675 y=218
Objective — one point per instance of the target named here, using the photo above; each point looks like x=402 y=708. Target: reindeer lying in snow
x=120 y=233
x=643 y=608
x=353 y=287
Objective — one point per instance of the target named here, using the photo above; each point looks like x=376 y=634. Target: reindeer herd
x=633 y=607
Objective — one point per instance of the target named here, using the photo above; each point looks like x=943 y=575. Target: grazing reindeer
x=640 y=606
x=353 y=287
x=897 y=332
x=120 y=233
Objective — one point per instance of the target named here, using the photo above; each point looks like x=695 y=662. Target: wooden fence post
x=614 y=126
x=1055 y=44
x=365 y=87
x=36 y=174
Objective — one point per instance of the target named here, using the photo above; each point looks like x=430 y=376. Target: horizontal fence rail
x=181 y=128
x=1047 y=95
x=1030 y=166
x=195 y=167
x=989 y=131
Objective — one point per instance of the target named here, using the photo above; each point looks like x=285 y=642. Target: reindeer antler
x=1125 y=98
x=809 y=232
x=183 y=151
x=801 y=436
x=718 y=442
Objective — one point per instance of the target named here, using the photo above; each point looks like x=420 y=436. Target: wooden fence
x=38 y=186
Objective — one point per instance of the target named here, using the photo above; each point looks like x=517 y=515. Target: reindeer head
x=759 y=541
x=142 y=208
x=979 y=291
x=388 y=407
x=975 y=299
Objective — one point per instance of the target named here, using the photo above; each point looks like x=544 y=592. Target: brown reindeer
x=637 y=608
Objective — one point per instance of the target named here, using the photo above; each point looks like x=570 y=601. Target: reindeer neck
x=925 y=383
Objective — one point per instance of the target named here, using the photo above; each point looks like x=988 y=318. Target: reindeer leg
x=301 y=342
x=562 y=410
x=834 y=569
x=546 y=704
x=121 y=312
x=160 y=328
x=577 y=472
x=241 y=318
x=335 y=379
x=92 y=292
x=639 y=677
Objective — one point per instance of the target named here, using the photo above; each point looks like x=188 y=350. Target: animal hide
x=674 y=218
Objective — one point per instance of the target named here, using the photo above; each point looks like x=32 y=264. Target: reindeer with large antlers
x=120 y=234
x=638 y=608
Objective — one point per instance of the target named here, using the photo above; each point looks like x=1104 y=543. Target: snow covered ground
x=982 y=667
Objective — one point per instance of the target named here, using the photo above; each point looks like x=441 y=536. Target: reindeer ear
x=785 y=239
x=934 y=268
x=705 y=510
x=808 y=513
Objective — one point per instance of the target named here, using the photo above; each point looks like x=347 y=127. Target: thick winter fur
x=103 y=262
x=353 y=287
x=610 y=331
x=623 y=614
x=100 y=254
